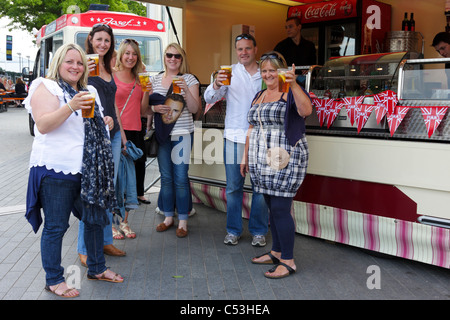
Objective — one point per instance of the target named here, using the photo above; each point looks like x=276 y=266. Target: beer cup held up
x=176 y=88
x=227 y=70
x=283 y=86
x=89 y=113
x=96 y=71
x=144 y=79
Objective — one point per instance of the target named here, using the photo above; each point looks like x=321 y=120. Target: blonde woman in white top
x=67 y=152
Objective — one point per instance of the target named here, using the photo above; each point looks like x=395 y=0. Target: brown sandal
x=104 y=278
x=63 y=294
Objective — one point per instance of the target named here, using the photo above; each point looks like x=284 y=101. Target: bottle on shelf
x=405 y=22
x=342 y=93
x=327 y=94
x=412 y=23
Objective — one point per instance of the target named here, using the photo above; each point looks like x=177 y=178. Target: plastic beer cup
x=176 y=88
x=227 y=70
x=283 y=86
x=144 y=79
x=96 y=71
x=89 y=113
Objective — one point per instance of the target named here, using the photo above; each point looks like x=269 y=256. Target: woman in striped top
x=174 y=152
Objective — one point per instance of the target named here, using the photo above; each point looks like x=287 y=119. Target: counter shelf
x=417 y=82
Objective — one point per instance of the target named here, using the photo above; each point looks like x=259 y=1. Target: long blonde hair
x=184 y=67
x=120 y=52
x=58 y=59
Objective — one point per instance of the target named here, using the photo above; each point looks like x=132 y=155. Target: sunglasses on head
x=128 y=40
x=171 y=55
x=245 y=36
x=101 y=25
x=271 y=56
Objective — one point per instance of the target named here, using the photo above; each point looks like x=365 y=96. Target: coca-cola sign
x=324 y=11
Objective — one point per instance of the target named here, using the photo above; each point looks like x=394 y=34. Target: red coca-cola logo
x=327 y=10
x=324 y=11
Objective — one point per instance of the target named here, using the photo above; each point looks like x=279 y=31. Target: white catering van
x=74 y=28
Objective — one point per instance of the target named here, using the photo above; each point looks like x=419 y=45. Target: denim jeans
x=173 y=161
x=259 y=216
x=58 y=197
x=116 y=145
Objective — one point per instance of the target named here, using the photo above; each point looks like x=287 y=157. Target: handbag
x=151 y=144
x=277 y=158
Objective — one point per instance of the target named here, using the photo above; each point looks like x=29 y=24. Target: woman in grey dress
x=277 y=129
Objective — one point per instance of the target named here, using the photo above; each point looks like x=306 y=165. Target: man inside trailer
x=296 y=49
x=441 y=43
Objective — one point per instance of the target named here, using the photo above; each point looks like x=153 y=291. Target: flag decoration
x=395 y=119
x=321 y=107
x=433 y=117
x=363 y=112
x=385 y=104
x=333 y=110
x=350 y=104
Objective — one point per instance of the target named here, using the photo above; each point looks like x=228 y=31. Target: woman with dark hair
x=101 y=41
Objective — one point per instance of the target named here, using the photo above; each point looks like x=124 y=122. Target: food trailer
x=74 y=28
x=379 y=146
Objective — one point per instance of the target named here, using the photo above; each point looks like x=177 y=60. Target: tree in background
x=29 y=14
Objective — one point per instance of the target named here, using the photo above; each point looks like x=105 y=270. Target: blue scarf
x=97 y=173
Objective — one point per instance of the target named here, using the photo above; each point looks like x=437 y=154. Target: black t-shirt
x=19 y=88
x=107 y=93
x=303 y=54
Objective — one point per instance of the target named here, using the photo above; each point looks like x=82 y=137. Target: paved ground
x=159 y=266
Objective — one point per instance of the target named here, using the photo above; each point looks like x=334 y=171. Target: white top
x=239 y=96
x=61 y=149
x=185 y=123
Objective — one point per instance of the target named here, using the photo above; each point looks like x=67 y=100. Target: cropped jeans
x=116 y=147
x=173 y=161
x=259 y=216
x=58 y=197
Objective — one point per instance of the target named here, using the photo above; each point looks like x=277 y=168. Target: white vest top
x=61 y=149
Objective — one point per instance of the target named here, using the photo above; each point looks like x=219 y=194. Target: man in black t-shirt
x=441 y=44
x=296 y=49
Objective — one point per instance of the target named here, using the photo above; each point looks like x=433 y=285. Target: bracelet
x=70 y=107
x=153 y=108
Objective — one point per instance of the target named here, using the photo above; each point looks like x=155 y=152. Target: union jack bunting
x=363 y=112
x=380 y=106
x=433 y=117
x=395 y=119
x=390 y=99
x=350 y=104
x=333 y=110
x=321 y=108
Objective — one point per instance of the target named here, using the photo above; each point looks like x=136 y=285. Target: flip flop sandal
x=104 y=278
x=63 y=294
x=273 y=259
x=290 y=271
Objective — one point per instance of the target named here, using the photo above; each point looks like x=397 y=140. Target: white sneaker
x=259 y=241
x=231 y=239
